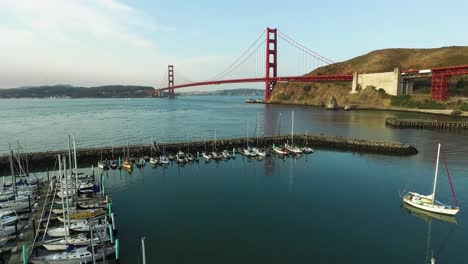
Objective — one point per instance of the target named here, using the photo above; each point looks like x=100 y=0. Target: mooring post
x=29 y=201
x=109 y=208
x=111 y=234
x=25 y=255
x=103 y=185
x=143 y=253
x=117 y=250
x=113 y=222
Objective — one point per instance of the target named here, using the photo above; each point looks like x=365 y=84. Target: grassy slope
x=376 y=61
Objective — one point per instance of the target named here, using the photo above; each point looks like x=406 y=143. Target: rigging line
x=253 y=44
x=284 y=36
x=243 y=60
x=321 y=58
x=448 y=176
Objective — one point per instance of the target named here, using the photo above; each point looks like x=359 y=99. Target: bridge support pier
x=439 y=86
x=271 y=61
x=407 y=87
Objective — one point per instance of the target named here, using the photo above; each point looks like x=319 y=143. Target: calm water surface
x=328 y=207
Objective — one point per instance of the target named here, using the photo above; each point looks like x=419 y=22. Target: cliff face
x=376 y=61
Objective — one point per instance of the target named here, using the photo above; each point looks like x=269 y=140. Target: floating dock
x=426 y=124
x=91 y=155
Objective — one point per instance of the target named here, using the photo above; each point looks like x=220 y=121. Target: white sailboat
x=428 y=202
x=77 y=240
x=75 y=256
x=291 y=148
x=76 y=227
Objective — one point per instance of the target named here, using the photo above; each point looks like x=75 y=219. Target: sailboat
x=257 y=151
x=307 y=149
x=215 y=155
x=75 y=256
x=428 y=202
x=291 y=148
x=127 y=163
x=276 y=149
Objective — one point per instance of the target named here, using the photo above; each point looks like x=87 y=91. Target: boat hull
x=433 y=208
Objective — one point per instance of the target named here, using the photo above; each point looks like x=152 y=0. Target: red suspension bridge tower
x=170 y=79
x=271 y=61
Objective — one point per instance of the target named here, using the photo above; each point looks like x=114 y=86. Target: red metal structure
x=271 y=61
x=440 y=80
x=439 y=87
x=170 y=78
x=270 y=78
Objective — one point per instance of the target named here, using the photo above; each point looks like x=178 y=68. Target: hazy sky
x=95 y=42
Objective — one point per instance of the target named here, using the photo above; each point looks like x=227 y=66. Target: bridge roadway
x=313 y=78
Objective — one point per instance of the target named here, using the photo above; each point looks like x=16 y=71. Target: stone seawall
x=43 y=160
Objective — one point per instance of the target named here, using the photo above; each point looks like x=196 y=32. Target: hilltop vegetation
x=384 y=60
x=109 y=91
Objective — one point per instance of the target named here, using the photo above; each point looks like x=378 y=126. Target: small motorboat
x=216 y=156
x=153 y=161
x=259 y=152
x=113 y=164
x=308 y=150
x=189 y=157
x=226 y=154
x=206 y=156
x=180 y=157
x=164 y=160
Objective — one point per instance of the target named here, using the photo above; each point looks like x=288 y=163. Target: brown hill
x=384 y=60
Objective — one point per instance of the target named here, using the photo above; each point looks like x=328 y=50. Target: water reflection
x=429 y=217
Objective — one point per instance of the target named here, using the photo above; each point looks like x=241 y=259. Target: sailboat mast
x=292 y=128
x=61 y=191
x=69 y=154
x=12 y=168
x=76 y=166
x=256 y=127
x=435 y=176
x=67 y=191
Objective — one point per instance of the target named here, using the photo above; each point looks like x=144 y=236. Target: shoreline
x=440 y=112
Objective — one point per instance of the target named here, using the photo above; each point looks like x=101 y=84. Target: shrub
x=456 y=113
x=408 y=102
x=307 y=88
x=284 y=97
x=464 y=107
x=381 y=91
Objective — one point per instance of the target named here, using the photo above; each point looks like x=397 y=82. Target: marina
x=61 y=213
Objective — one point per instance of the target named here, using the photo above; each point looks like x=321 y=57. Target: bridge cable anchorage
x=238 y=59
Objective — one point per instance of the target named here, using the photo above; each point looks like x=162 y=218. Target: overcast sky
x=96 y=42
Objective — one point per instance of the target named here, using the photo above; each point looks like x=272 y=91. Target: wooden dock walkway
x=426 y=124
